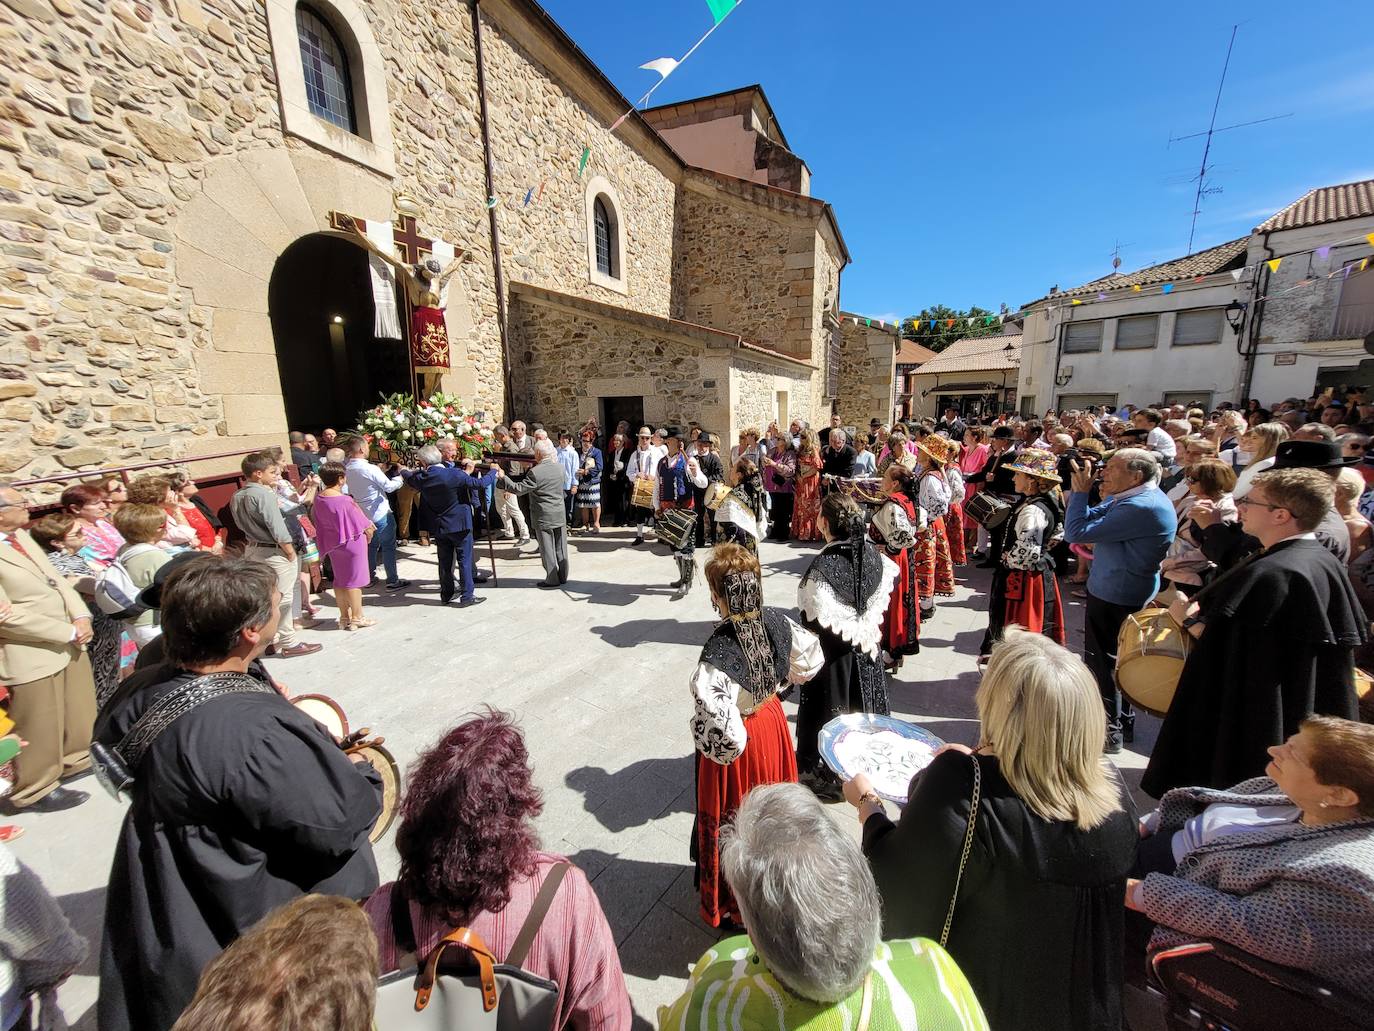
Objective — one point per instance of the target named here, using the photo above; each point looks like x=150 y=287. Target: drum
x=716 y=493
x=987 y=510
x=674 y=527
x=325 y=711
x=866 y=490
x=385 y=764
x=642 y=496
x=1150 y=651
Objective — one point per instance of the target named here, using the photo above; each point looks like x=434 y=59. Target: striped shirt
x=574 y=946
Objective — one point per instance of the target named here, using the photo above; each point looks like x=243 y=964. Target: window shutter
x=1137 y=333
x=1198 y=327
x=1082 y=336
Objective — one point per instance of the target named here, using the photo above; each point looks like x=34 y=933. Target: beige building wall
x=868 y=356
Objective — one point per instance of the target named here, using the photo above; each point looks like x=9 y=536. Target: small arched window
x=328 y=89
x=605 y=239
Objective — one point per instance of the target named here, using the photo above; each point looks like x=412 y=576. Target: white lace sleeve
x=934 y=496
x=717 y=726
x=1028 y=549
x=806 y=659
x=955 y=479
x=894 y=526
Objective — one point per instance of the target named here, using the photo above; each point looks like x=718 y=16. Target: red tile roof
x=1326 y=204
x=978 y=354
x=1223 y=256
x=912 y=353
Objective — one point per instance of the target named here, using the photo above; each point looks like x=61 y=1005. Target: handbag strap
x=468 y=939
x=968 y=846
x=520 y=948
x=866 y=1005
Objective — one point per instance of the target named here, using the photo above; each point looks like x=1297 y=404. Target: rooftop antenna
x=1205 y=188
x=1116 y=255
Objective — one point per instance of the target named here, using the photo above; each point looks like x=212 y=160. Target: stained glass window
x=605 y=258
x=327 y=88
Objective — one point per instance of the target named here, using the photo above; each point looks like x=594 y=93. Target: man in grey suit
x=548 y=515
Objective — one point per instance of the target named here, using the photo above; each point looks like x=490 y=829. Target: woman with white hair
x=1031 y=899
x=813 y=957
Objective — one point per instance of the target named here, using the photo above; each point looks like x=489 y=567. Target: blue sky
x=980 y=153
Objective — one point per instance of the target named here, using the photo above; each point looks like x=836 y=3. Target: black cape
x=1277 y=647
x=240 y=806
x=853 y=679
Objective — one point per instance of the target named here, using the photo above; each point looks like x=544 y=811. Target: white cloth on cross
x=386 y=323
x=443 y=253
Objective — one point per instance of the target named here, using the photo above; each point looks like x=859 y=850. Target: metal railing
x=123 y=471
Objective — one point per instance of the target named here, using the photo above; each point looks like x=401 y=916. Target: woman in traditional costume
x=807 y=504
x=954 y=518
x=895 y=527
x=738 y=725
x=743 y=517
x=1025 y=590
x=843 y=599
x=934 y=565
x=677 y=475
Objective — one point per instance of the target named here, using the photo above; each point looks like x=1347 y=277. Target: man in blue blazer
x=446 y=496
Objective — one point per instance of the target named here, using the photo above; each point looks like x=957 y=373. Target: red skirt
x=768 y=758
x=954 y=522
x=934 y=567
x=902 y=620
x=1029 y=605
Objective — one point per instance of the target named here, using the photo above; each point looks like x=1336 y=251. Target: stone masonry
x=868 y=356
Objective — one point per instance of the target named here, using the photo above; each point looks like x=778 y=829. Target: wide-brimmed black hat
x=1310 y=454
x=151 y=596
x=706 y=438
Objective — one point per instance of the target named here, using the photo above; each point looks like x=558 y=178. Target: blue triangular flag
x=528 y=194
x=1167 y=288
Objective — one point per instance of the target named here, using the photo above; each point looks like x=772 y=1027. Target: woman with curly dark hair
x=470 y=858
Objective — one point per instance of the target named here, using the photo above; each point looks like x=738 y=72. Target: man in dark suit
x=951 y=425
x=446 y=511
x=549 y=518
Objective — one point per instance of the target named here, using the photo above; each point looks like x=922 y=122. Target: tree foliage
x=950 y=325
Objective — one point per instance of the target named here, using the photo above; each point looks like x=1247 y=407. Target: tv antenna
x=1204 y=187
x=1116 y=255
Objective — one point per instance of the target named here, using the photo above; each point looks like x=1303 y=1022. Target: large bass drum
x=987 y=510
x=1150 y=652
x=675 y=526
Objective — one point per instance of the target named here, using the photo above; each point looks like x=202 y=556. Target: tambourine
x=329 y=714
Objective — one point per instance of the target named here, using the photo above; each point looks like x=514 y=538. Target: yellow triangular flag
x=1075 y=302
x=1135 y=289
x=1364 y=264
x=1370 y=238
x=1274 y=263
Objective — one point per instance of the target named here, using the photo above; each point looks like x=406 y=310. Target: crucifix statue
x=424 y=282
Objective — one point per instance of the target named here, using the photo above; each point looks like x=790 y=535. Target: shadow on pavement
x=86 y=912
x=640 y=793
x=635 y=632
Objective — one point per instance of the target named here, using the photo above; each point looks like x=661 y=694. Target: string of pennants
x=1273 y=264
x=664 y=67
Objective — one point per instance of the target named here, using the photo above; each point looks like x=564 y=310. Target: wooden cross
x=410 y=246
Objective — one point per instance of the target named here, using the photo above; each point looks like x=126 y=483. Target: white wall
x=1136 y=376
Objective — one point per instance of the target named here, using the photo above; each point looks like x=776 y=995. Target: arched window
x=605 y=239
x=328 y=89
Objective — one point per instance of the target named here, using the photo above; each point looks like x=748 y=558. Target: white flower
x=405 y=434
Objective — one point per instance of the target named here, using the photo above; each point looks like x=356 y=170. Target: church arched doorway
x=331 y=364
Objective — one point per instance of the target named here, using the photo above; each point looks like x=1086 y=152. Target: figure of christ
x=424 y=283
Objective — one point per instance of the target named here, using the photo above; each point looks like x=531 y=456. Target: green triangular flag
x=720 y=8
x=582 y=165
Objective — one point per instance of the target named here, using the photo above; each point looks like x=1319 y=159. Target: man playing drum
x=239 y=802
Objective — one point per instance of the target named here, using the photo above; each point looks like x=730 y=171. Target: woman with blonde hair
x=1258 y=446
x=1034 y=906
x=1350 y=486
x=807 y=491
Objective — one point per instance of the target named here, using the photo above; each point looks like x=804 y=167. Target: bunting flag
x=1236 y=273
x=1075 y=301
x=720 y=9
x=1370 y=238
x=949 y=323
x=1323 y=252
x=665 y=66
x=492 y=202
x=1274 y=264
x=868 y=322
x=932 y=323
x=539 y=196
x=1167 y=288
x=582 y=164
x=528 y=195
x=1135 y=289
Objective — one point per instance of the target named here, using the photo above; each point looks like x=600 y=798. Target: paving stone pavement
x=597 y=674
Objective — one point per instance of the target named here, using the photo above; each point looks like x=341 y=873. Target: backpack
x=116 y=594
x=469 y=990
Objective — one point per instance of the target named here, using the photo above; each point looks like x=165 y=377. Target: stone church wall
x=146 y=189
x=868 y=358
x=755 y=390
x=566 y=360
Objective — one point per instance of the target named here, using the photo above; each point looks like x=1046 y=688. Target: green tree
x=949 y=325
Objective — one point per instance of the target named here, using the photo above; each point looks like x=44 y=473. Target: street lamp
x=1235 y=316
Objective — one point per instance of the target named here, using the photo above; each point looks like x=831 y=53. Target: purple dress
x=339 y=534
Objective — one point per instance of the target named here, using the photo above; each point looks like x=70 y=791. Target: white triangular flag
x=386 y=321
x=1237 y=273
x=665 y=66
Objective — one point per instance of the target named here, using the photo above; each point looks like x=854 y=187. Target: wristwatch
x=1193 y=621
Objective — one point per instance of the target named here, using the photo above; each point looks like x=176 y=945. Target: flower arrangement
x=400 y=425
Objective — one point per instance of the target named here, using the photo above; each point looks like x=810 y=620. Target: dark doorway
x=331 y=366
x=613 y=409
